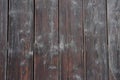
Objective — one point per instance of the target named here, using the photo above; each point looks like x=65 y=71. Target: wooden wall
x=59 y=39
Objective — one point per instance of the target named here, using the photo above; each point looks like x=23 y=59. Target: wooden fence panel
x=59 y=39
x=20 y=39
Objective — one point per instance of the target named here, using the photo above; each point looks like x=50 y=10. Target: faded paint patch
x=31 y=53
x=52 y=67
x=66 y=45
x=77 y=77
x=62 y=43
x=28 y=54
x=75 y=7
x=23 y=63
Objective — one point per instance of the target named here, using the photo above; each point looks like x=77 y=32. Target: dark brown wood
x=20 y=39
x=71 y=39
x=113 y=10
x=59 y=40
x=3 y=38
x=46 y=40
x=95 y=36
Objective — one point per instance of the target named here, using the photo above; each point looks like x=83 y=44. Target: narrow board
x=71 y=40
x=20 y=39
x=3 y=38
x=95 y=36
x=46 y=56
x=113 y=10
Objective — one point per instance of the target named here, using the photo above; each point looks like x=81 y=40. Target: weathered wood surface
x=3 y=38
x=20 y=39
x=95 y=38
x=113 y=9
x=46 y=40
x=71 y=39
x=59 y=40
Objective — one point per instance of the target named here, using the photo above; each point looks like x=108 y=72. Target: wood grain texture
x=46 y=40
x=113 y=10
x=71 y=39
x=60 y=40
x=3 y=38
x=20 y=39
x=95 y=32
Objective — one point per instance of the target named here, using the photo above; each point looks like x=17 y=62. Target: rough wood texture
x=46 y=40
x=95 y=32
x=59 y=39
x=3 y=38
x=20 y=39
x=114 y=38
x=71 y=39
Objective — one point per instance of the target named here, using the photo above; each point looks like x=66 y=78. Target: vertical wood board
x=95 y=36
x=3 y=38
x=113 y=10
x=20 y=39
x=71 y=39
x=46 y=56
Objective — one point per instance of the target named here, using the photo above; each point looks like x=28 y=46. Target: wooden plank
x=113 y=10
x=20 y=39
x=95 y=36
x=71 y=39
x=46 y=40
x=3 y=38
